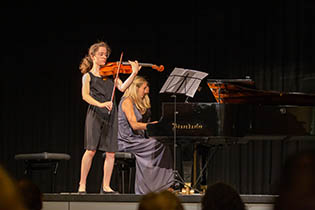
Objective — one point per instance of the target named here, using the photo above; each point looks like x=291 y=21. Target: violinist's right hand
x=107 y=104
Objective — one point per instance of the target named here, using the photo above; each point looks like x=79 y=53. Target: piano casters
x=181 y=81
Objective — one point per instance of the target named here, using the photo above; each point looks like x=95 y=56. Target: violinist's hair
x=87 y=62
x=142 y=104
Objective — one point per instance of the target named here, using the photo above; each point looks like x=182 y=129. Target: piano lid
x=243 y=91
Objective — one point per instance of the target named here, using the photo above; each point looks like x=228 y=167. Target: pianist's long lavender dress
x=153 y=159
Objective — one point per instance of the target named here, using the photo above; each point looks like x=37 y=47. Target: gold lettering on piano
x=187 y=126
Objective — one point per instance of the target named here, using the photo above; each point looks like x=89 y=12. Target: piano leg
x=194 y=165
x=191 y=162
x=197 y=165
x=186 y=162
x=204 y=158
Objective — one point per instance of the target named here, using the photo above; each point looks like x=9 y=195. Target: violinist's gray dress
x=154 y=160
x=100 y=126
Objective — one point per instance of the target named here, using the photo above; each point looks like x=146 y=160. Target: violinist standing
x=101 y=126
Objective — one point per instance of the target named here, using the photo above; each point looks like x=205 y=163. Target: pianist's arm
x=127 y=108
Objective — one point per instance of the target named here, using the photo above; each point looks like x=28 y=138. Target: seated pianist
x=154 y=163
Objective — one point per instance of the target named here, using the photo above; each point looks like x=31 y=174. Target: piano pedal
x=187 y=190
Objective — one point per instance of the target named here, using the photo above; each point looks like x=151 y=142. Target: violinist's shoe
x=110 y=191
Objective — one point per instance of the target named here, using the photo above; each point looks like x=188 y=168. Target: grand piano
x=241 y=113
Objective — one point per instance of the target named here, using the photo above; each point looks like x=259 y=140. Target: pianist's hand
x=153 y=122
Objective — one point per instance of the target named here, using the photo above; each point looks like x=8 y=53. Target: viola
x=111 y=68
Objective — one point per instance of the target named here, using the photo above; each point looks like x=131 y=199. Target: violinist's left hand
x=135 y=66
x=135 y=69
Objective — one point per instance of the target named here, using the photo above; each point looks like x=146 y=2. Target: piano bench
x=42 y=161
x=124 y=162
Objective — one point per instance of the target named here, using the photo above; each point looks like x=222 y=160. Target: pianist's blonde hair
x=142 y=104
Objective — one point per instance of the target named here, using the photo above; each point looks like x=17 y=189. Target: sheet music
x=183 y=81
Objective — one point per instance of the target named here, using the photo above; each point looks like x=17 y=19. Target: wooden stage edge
x=75 y=201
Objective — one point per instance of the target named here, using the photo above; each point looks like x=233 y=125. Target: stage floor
x=75 y=201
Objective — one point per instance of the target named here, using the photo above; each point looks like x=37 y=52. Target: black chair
x=124 y=162
x=42 y=161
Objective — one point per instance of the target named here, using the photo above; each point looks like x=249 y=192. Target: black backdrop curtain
x=41 y=106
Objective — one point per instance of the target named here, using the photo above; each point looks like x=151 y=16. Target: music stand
x=181 y=81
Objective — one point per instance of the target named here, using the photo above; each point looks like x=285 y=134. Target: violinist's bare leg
x=85 y=168
x=108 y=169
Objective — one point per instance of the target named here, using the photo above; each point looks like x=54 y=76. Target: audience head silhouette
x=164 y=200
x=221 y=196
x=297 y=183
x=9 y=196
x=31 y=194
